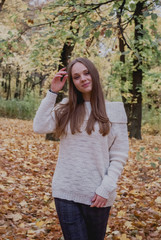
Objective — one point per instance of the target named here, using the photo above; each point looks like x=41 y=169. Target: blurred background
x=123 y=39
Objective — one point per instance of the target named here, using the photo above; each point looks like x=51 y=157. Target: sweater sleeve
x=118 y=151
x=44 y=121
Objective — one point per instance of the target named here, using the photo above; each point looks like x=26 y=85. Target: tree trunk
x=8 y=82
x=122 y=57
x=136 y=105
x=17 y=93
x=127 y=105
x=9 y=87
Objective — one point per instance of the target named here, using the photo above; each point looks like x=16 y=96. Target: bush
x=151 y=120
x=22 y=109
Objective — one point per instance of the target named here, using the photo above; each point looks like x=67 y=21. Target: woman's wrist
x=53 y=91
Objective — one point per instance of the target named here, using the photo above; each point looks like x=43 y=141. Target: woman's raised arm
x=44 y=121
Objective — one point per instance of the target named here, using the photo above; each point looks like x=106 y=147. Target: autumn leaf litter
x=27 y=209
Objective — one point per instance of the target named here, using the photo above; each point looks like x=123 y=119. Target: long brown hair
x=74 y=110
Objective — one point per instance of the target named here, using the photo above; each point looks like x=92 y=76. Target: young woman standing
x=93 y=149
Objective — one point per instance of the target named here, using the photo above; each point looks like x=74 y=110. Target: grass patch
x=26 y=109
x=151 y=120
x=21 y=109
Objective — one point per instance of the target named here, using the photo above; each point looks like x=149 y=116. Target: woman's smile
x=86 y=84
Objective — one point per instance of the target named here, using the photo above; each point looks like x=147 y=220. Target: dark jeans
x=81 y=222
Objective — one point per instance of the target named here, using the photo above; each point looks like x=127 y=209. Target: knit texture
x=87 y=164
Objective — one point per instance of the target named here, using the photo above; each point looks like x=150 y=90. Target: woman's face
x=82 y=80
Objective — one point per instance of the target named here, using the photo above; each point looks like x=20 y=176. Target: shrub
x=22 y=109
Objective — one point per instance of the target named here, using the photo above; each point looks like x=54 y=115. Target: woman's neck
x=86 y=97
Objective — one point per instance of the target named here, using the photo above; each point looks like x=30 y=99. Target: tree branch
x=1 y=4
x=121 y=30
x=96 y=6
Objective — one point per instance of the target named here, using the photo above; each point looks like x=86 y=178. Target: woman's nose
x=83 y=77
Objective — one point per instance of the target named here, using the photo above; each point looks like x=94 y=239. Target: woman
x=93 y=150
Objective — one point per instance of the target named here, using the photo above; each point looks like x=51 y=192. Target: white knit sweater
x=87 y=164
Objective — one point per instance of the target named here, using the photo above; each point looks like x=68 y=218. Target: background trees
x=121 y=36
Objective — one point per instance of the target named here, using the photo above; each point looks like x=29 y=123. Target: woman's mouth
x=85 y=85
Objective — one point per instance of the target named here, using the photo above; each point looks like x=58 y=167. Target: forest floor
x=27 y=209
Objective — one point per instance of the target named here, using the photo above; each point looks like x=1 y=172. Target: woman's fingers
x=62 y=69
x=102 y=205
x=59 y=80
x=64 y=78
x=95 y=201
x=60 y=74
x=94 y=198
x=98 y=201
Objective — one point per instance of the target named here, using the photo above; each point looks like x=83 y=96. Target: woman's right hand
x=59 y=80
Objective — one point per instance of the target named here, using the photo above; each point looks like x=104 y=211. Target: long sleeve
x=118 y=151
x=44 y=121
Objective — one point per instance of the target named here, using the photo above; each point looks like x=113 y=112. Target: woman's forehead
x=78 y=67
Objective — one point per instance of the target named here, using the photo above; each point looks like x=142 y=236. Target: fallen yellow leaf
x=16 y=217
x=39 y=223
x=158 y=200
x=121 y=214
x=2 y=187
x=159 y=228
x=3 y=229
x=23 y=203
x=123 y=237
x=52 y=204
x=108 y=229
x=128 y=224
x=139 y=237
x=46 y=198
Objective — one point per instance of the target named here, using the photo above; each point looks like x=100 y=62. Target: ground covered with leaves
x=27 y=209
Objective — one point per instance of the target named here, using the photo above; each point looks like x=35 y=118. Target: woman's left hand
x=98 y=201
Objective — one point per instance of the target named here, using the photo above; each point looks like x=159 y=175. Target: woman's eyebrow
x=75 y=73
x=85 y=70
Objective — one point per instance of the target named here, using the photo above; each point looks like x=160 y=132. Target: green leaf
x=132 y=6
x=154 y=16
x=138 y=26
x=142 y=149
x=109 y=25
x=10 y=33
x=112 y=13
x=125 y=53
x=156 y=148
x=15 y=19
x=153 y=165
x=96 y=34
x=153 y=27
x=159 y=158
x=35 y=53
x=108 y=33
x=50 y=40
x=146 y=13
x=86 y=34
